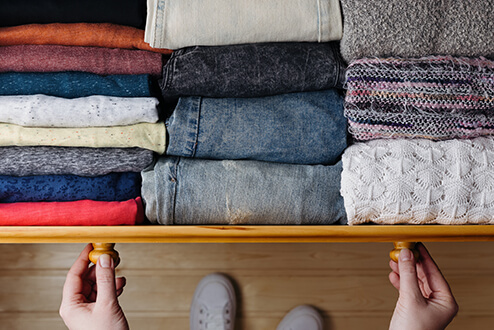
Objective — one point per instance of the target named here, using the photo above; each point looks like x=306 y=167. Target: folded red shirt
x=78 y=213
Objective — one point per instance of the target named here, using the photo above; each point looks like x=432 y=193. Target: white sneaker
x=213 y=306
x=302 y=317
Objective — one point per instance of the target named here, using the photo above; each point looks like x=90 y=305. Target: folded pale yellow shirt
x=144 y=135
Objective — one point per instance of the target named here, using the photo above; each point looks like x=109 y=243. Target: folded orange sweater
x=77 y=34
x=78 y=213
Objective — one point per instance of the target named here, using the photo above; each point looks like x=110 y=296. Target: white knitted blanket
x=419 y=182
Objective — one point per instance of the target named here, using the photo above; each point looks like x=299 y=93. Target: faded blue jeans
x=295 y=128
x=185 y=191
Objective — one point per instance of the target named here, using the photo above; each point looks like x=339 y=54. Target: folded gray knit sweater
x=417 y=28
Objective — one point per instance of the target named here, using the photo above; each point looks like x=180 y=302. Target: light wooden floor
x=346 y=281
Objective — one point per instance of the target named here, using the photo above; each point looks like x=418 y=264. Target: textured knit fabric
x=74 y=84
x=146 y=136
x=296 y=128
x=24 y=161
x=419 y=182
x=438 y=97
x=124 y=12
x=253 y=70
x=90 y=111
x=181 y=23
x=184 y=191
x=103 y=61
x=66 y=188
x=77 y=213
x=417 y=28
x=77 y=34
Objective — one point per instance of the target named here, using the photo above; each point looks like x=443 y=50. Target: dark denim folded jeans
x=296 y=128
x=185 y=191
x=252 y=70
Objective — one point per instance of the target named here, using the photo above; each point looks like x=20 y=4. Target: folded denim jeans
x=253 y=70
x=297 y=128
x=124 y=12
x=74 y=84
x=185 y=191
x=66 y=188
x=176 y=24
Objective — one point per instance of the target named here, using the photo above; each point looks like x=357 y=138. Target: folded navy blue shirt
x=65 y=188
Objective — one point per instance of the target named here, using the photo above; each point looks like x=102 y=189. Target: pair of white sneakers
x=214 y=306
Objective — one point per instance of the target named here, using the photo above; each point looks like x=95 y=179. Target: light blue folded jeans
x=185 y=191
x=295 y=128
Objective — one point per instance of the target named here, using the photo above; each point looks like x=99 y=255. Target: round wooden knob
x=104 y=248
x=403 y=245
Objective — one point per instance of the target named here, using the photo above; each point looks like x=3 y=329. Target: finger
x=119 y=292
x=409 y=285
x=432 y=274
x=394 y=266
x=105 y=279
x=120 y=283
x=394 y=278
x=73 y=282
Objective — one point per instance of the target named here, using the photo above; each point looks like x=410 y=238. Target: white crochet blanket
x=419 y=182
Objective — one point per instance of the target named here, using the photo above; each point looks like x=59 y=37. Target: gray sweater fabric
x=26 y=161
x=376 y=28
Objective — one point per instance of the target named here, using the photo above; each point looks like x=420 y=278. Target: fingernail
x=406 y=255
x=104 y=260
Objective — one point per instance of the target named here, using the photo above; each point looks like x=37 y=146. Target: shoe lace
x=215 y=320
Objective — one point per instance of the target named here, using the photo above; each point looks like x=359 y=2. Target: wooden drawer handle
x=104 y=248
x=400 y=246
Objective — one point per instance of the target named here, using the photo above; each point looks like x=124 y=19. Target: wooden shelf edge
x=246 y=234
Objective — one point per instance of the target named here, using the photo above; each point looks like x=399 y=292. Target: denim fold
x=185 y=191
x=295 y=128
x=175 y=24
x=253 y=70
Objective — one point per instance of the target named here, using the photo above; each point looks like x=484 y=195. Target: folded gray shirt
x=376 y=28
x=25 y=161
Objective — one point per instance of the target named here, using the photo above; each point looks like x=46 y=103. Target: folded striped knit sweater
x=439 y=97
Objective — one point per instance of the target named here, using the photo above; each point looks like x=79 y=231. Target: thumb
x=105 y=280
x=409 y=285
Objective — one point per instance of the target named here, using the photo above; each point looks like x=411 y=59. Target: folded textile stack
x=78 y=121
x=409 y=78
x=258 y=130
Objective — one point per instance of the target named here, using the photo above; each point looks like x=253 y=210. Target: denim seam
x=338 y=65
x=175 y=184
x=198 y=120
x=169 y=73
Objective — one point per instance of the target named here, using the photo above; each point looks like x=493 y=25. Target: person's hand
x=90 y=295
x=425 y=301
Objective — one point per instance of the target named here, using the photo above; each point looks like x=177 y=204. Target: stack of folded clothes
x=420 y=101
x=78 y=121
x=258 y=129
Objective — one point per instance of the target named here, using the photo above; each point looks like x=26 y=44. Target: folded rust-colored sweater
x=77 y=34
